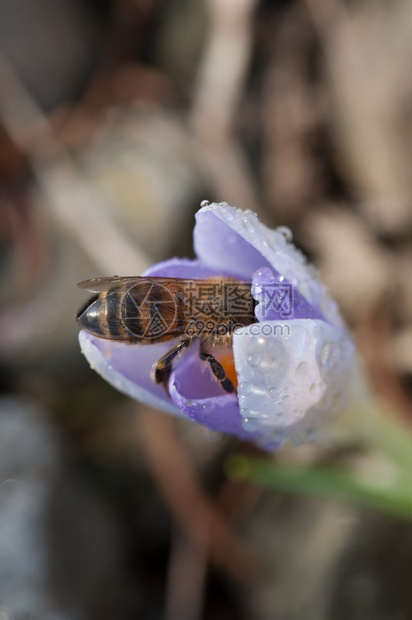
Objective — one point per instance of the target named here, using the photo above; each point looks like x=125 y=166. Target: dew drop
x=205 y=203
x=271 y=242
x=249 y=224
x=228 y=213
x=245 y=387
x=317 y=332
x=275 y=240
x=189 y=403
x=208 y=407
x=300 y=257
x=250 y=425
x=256 y=289
x=254 y=360
x=330 y=354
x=266 y=273
x=301 y=372
x=286 y=232
x=274 y=392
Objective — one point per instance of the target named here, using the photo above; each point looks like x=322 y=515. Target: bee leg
x=217 y=369
x=163 y=366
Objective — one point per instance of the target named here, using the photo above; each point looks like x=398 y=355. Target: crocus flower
x=293 y=365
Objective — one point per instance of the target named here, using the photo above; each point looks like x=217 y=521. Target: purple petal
x=219 y=246
x=181 y=268
x=289 y=385
x=236 y=240
x=201 y=397
x=293 y=376
x=127 y=367
x=187 y=268
x=279 y=300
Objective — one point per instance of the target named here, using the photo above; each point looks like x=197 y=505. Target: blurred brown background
x=117 y=117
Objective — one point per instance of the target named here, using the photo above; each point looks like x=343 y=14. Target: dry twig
x=76 y=206
x=220 y=83
x=192 y=508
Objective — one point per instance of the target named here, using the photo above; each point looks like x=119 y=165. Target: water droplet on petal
x=256 y=289
x=250 y=425
x=317 y=332
x=189 y=403
x=204 y=203
x=301 y=372
x=254 y=360
x=330 y=353
x=266 y=273
x=250 y=222
x=286 y=232
x=245 y=387
x=276 y=240
x=228 y=213
x=274 y=392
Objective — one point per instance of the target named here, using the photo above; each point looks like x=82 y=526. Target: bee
x=147 y=310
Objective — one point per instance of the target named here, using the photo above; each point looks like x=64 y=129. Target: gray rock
x=59 y=543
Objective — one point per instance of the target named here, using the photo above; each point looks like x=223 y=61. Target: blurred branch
x=193 y=510
x=220 y=85
x=375 y=341
x=371 y=120
x=73 y=203
x=186 y=578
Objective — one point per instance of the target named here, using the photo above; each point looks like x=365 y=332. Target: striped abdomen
x=146 y=311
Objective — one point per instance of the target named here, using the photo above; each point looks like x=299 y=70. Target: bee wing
x=100 y=285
